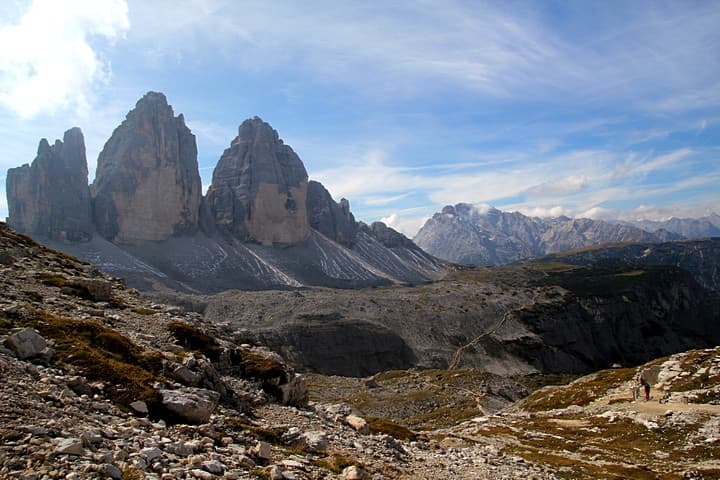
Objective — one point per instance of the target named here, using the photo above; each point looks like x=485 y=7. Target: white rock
x=353 y=472
x=151 y=453
x=262 y=450
x=111 y=471
x=292 y=464
x=314 y=441
x=213 y=466
x=358 y=423
x=179 y=448
x=194 y=405
x=26 y=343
x=70 y=446
x=276 y=473
x=139 y=407
x=201 y=474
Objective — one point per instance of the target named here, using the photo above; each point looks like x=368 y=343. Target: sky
x=600 y=109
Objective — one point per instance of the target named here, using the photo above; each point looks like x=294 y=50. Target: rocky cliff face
x=50 y=198
x=334 y=220
x=259 y=188
x=465 y=234
x=505 y=320
x=147 y=185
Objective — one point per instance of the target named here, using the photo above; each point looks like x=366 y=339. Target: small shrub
x=132 y=473
x=271 y=435
x=193 y=339
x=52 y=279
x=262 y=367
x=335 y=463
x=143 y=311
x=388 y=427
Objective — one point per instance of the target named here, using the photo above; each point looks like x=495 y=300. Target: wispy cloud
x=636 y=165
x=48 y=60
x=482 y=47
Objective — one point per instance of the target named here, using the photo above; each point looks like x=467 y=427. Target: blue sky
x=606 y=109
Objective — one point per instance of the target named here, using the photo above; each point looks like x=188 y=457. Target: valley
x=494 y=390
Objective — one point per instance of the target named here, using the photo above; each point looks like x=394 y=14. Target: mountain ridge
x=256 y=228
x=465 y=234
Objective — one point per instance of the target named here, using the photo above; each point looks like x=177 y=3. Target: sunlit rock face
x=147 y=185
x=50 y=198
x=259 y=188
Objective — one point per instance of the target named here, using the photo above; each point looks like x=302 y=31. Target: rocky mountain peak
x=334 y=220
x=259 y=188
x=147 y=185
x=50 y=198
x=255 y=130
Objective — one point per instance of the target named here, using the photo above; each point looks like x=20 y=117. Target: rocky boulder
x=334 y=220
x=50 y=197
x=259 y=188
x=192 y=405
x=28 y=343
x=147 y=185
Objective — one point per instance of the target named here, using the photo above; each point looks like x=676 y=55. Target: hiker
x=636 y=389
x=646 y=386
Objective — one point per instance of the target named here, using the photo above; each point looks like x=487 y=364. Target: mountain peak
x=51 y=197
x=256 y=130
x=152 y=98
x=259 y=188
x=147 y=185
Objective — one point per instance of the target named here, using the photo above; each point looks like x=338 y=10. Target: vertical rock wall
x=259 y=188
x=147 y=185
x=50 y=198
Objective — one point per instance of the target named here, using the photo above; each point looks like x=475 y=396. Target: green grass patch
x=103 y=354
x=581 y=392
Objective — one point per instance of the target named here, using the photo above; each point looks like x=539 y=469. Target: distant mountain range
x=261 y=225
x=700 y=257
x=703 y=227
x=487 y=236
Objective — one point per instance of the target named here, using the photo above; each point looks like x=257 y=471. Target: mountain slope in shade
x=699 y=257
x=468 y=235
x=261 y=225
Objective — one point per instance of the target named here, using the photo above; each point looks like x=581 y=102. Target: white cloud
x=635 y=53
x=375 y=201
x=565 y=185
x=545 y=212
x=47 y=59
x=408 y=226
x=635 y=165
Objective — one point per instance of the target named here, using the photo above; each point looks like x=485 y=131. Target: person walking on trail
x=636 y=389
x=646 y=386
